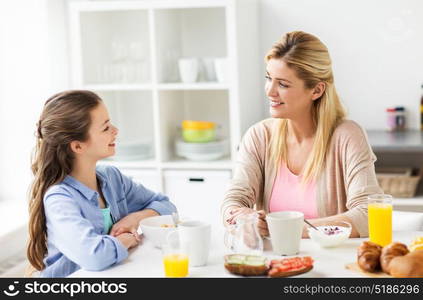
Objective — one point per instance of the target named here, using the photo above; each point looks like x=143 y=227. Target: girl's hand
x=128 y=224
x=129 y=240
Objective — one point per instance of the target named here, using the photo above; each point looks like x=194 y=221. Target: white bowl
x=331 y=235
x=153 y=228
x=133 y=150
x=202 y=151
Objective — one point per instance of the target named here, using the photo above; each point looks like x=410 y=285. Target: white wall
x=376 y=48
x=31 y=69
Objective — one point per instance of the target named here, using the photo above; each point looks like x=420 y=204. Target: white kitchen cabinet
x=128 y=52
x=197 y=194
x=148 y=178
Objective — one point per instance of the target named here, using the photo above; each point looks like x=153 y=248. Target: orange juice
x=380 y=223
x=175 y=265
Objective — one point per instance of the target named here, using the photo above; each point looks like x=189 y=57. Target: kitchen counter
x=146 y=261
x=396 y=141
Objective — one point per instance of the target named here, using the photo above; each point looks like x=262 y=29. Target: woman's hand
x=262 y=224
x=234 y=213
x=129 y=240
x=129 y=224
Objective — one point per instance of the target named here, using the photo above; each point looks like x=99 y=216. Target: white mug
x=188 y=69
x=197 y=235
x=222 y=70
x=285 y=229
x=208 y=69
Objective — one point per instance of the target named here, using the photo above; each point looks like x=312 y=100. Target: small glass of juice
x=175 y=258
x=380 y=219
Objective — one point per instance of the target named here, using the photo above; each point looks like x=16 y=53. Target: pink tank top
x=289 y=194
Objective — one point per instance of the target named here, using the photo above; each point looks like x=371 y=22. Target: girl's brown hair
x=65 y=118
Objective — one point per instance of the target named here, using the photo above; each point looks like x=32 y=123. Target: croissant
x=368 y=254
x=389 y=252
x=410 y=265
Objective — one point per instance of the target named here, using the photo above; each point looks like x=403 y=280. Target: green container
x=198 y=135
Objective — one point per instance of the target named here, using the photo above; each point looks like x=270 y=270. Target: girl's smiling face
x=101 y=135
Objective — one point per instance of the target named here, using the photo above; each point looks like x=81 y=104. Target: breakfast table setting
x=174 y=247
x=146 y=260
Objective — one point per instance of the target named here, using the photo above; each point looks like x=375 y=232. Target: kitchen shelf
x=119 y=87
x=193 y=86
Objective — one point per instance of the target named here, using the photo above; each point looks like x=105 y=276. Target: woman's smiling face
x=289 y=98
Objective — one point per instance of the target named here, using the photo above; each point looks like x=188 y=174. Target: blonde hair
x=310 y=59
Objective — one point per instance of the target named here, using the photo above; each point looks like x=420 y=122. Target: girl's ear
x=318 y=90
x=76 y=147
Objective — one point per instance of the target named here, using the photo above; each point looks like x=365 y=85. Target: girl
x=81 y=215
x=307 y=157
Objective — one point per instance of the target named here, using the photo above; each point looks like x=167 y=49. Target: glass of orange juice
x=380 y=219
x=175 y=257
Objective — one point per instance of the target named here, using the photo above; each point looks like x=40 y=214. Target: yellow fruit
x=416 y=244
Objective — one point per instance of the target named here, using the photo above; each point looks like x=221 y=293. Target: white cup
x=208 y=69
x=188 y=69
x=221 y=69
x=285 y=228
x=197 y=236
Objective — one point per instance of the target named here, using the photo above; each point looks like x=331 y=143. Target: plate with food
x=253 y=265
x=393 y=260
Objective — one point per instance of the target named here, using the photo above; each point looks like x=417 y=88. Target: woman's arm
x=246 y=187
x=360 y=179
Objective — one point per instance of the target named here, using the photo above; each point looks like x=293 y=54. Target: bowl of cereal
x=156 y=229
x=332 y=235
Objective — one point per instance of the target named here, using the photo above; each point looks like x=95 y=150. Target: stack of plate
x=136 y=150
x=202 y=151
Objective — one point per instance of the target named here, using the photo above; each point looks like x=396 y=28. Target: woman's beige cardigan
x=346 y=181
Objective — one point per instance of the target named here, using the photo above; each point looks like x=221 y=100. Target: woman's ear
x=76 y=147
x=318 y=90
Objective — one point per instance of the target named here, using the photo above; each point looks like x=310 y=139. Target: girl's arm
x=141 y=203
x=140 y=198
x=74 y=235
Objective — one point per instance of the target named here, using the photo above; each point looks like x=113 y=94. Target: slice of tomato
x=293 y=263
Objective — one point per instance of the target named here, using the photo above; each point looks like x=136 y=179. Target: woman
x=307 y=157
x=82 y=216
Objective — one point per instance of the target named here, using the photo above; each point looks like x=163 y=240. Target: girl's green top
x=107 y=218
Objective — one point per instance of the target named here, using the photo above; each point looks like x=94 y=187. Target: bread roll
x=410 y=265
x=389 y=252
x=368 y=255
